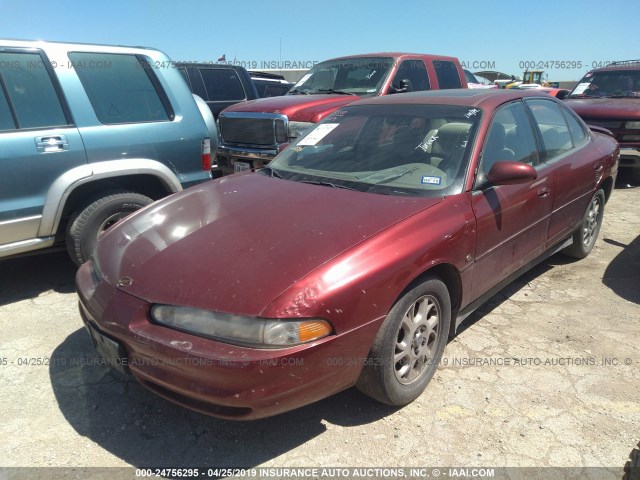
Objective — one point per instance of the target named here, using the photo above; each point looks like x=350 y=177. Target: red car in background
x=352 y=257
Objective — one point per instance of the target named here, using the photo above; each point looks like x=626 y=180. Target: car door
x=512 y=220
x=574 y=168
x=38 y=141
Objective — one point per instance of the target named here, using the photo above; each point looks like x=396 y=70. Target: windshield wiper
x=331 y=90
x=387 y=175
x=296 y=91
x=327 y=184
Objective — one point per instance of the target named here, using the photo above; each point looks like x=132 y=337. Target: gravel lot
x=547 y=373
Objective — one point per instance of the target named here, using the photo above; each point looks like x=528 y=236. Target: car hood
x=608 y=108
x=235 y=244
x=298 y=108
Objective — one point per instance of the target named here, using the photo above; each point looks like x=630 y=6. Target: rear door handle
x=543 y=192
x=53 y=143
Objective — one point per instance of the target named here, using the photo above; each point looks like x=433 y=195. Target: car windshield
x=609 y=83
x=417 y=150
x=363 y=76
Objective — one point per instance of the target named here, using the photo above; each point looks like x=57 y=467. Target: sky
x=565 y=38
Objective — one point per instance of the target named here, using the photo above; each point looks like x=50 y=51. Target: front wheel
x=96 y=216
x=409 y=346
x=584 y=238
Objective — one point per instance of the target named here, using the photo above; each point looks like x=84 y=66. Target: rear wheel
x=409 y=346
x=584 y=238
x=96 y=216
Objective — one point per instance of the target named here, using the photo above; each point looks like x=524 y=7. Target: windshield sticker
x=581 y=88
x=297 y=149
x=302 y=80
x=588 y=75
x=428 y=180
x=426 y=146
x=472 y=112
x=318 y=134
x=371 y=90
x=371 y=75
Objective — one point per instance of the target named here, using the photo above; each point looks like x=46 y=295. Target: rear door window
x=575 y=127
x=415 y=72
x=122 y=88
x=553 y=127
x=29 y=91
x=447 y=74
x=222 y=84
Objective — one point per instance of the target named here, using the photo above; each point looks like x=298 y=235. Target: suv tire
x=96 y=216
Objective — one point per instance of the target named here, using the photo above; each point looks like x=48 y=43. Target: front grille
x=248 y=131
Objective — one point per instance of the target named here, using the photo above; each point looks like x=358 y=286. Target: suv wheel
x=96 y=216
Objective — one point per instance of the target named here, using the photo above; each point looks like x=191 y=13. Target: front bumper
x=211 y=377
x=228 y=157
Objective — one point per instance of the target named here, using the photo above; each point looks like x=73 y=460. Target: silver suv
x=88 y=134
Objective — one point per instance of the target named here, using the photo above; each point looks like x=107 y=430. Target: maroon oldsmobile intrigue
x=352 y=257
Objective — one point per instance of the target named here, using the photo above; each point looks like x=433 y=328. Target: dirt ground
x=547 y=373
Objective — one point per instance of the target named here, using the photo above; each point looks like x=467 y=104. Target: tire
x=96 y=216
x=409 y=345
x=584 y=238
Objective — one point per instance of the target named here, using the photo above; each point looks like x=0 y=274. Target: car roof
x=489 y=98
x=632 y=65
x=396 y=56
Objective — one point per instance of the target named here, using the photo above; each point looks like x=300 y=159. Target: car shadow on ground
x=144 y=430
x=27 y=277
x=623 y=273
x=511 y=289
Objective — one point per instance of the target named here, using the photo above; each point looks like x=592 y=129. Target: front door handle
x=53 y=143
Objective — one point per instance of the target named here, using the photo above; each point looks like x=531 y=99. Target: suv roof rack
x=624 y=62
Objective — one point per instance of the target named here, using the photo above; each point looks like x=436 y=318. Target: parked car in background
x=270 y=84
x=219 y=84
x=252 y=133
x=88 y=134
x=559 y=93
x=473 y=82
x=609 y=97
x=349 y=259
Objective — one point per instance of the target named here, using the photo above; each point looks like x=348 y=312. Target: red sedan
x=352 y=257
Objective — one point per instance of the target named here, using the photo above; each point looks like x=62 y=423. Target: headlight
x=632 y=125
x=297 y=129
x=238 y=330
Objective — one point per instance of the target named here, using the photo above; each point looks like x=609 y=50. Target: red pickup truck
x=254 y=132
x=609 y=97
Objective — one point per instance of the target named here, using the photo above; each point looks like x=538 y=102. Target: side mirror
x=405 y=86
x=511 y=173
